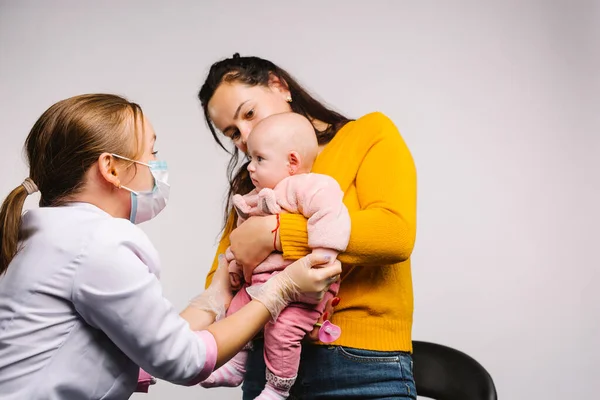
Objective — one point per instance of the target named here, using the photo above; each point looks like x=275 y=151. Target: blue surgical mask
x=148 y=204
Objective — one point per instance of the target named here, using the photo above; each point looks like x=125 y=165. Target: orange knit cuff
x=293 y=236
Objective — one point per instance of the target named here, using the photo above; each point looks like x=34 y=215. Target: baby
x=282 y=149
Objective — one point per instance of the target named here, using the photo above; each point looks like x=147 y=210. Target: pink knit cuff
x=211 y=357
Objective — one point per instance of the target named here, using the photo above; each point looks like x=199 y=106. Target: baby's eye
x=155 y=152
x=259 y=158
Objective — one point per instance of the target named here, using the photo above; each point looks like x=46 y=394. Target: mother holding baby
x=374 y=168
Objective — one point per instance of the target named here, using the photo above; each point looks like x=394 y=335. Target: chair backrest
x=443 y=373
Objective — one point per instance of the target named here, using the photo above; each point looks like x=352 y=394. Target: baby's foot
x=270 y=393
x=226 y=376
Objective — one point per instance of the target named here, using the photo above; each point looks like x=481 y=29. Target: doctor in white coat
x=81 y=307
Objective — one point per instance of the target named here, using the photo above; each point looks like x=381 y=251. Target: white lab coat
x=81 y=307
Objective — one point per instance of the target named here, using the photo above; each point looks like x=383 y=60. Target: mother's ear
x=280 y=86
x=108 y=169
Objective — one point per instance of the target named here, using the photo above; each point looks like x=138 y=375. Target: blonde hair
x=63 y=144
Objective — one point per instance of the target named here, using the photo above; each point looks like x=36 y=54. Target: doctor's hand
x=306 y=280
x=217 y=297
x=253 y=241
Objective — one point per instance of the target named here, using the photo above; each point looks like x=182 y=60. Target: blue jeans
x=335 y=372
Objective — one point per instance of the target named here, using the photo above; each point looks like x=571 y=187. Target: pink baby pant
x=283 y=338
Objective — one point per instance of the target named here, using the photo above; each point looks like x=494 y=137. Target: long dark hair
x=253 y=71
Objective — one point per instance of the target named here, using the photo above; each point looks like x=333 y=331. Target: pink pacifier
x=328 y=332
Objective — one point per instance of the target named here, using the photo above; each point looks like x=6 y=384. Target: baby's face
x=269 y=162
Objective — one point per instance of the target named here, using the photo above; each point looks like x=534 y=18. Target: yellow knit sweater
x=375 y=169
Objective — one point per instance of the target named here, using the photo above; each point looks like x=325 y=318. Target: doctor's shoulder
x=117 y=235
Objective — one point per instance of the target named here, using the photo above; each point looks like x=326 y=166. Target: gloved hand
x=306 y=280
x=217 y=296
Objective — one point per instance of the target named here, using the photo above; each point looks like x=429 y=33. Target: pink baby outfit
x=319 y=198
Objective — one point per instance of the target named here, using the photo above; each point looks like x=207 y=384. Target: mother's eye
x=250 y=114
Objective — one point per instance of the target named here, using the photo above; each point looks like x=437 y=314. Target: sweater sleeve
x=383 y=231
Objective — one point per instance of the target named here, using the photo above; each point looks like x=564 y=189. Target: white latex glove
x=306 y=280
x=217 y=296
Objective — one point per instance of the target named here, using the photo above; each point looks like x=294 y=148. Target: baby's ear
x=294 y=162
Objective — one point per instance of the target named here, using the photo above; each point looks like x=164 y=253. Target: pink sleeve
x=211 y=357
x=246 y=206
x=144 y=381
x=320 y=199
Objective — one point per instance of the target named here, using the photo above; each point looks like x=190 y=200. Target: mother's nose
x=244 y=133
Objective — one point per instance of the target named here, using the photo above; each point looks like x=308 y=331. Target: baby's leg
x=283 y=346
x=231 y=374
x=240 y=299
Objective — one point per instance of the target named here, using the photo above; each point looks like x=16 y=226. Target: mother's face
x=235 y=108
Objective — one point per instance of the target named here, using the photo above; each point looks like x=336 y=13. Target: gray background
x=498 y=102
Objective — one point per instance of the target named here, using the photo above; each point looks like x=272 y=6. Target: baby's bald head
x=286 y=133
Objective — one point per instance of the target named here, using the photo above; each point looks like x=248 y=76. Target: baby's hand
x=235 y=280
x=267 y=202
x=332 y=254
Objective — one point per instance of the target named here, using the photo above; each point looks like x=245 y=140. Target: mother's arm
x=383 y=231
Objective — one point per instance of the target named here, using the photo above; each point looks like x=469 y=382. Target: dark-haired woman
x=372 y=164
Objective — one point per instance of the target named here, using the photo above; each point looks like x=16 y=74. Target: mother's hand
x=253 y=241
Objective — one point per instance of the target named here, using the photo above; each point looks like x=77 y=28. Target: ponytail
x=10 y=222
x=62 y=146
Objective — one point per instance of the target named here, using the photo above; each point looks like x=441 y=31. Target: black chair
x=443 y=373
